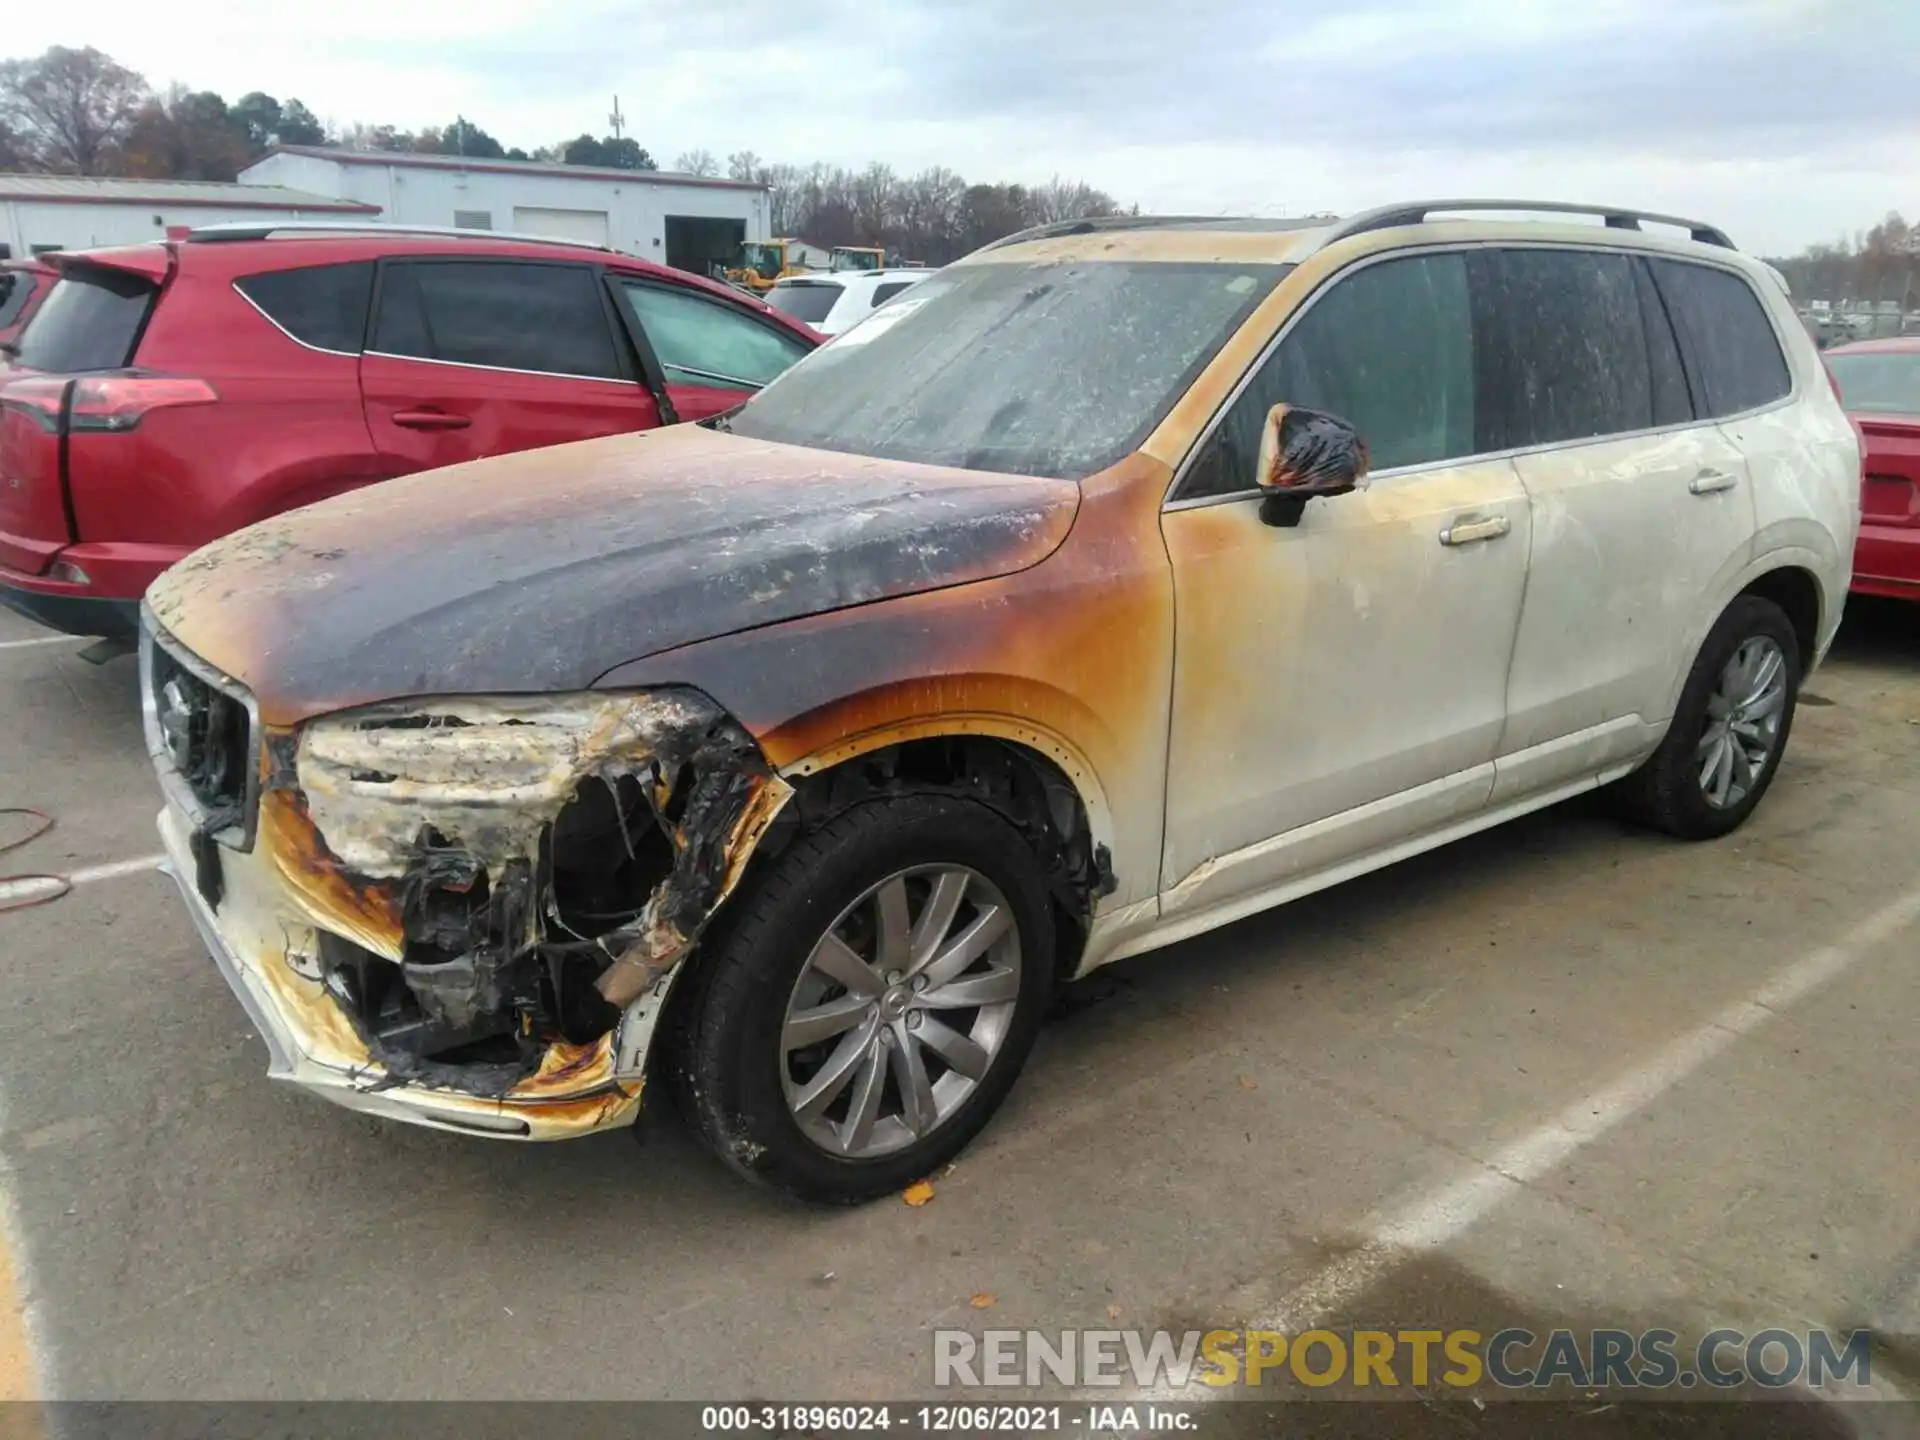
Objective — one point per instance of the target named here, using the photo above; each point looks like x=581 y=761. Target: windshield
x=855 y=260
x=807 y=300
x=766 y=260
x=1048 y=368
x=1884 y=384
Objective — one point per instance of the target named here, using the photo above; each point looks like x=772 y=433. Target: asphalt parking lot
x=1566 y=1072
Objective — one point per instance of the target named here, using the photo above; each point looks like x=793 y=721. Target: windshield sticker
x=879 y=322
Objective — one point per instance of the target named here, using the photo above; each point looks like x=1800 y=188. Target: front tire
x=1729 y=730
x=867 y=1002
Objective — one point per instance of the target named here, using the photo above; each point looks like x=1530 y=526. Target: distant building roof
x=413 y=160
x=79 y=189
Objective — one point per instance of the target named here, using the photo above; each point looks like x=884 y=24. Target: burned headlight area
x=548 y=861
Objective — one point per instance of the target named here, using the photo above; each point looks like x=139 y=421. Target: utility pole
x=616 y=119
x=460 y=135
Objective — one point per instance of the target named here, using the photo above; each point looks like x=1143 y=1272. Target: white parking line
x=19 y=1352
x=1430 y=1220
x=31 y=887
x=39 y=640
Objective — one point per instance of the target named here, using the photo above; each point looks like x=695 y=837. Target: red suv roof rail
x=343 y=229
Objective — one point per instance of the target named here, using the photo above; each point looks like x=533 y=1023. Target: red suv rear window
x=16 y=289
x=91 y=321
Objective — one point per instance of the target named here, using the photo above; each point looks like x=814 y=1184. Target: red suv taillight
x=102 y=403
x=38 y=398
x=117 y=402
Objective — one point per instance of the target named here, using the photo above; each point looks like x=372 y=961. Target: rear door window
x=324 y=306
x=1568 y=356
x=704 y=342
x=1730 y=343
x=809 y=302
x=91 y=321
x=503 y=315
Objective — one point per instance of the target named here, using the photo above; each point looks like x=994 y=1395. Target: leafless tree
x=697 y=162
x=744 y=165
x=71 y=109
x=13 y=150
x=1059 y=200
x=1880 y=263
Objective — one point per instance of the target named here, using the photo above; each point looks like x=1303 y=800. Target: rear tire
x=932 y=914
x=1729 y=730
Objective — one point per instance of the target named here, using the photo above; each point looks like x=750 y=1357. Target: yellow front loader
x=762 y=262
x=856 y=257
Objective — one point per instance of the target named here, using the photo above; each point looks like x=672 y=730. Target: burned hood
x=539 y=572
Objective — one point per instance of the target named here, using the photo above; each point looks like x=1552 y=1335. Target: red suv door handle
x=430 y=420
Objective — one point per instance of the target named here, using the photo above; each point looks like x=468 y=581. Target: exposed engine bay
x=518 y=871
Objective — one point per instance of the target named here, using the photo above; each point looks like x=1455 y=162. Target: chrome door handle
x=1708 y=481
x=1470 y=528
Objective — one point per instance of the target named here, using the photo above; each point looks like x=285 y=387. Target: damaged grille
x=204 y=736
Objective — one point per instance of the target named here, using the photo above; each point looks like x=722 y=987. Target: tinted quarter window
x=324 y=306
x=501 y=314
x=1567 y=358
x=704 y=342
x=1729 y=340
x=91 y=321
x=883 y=293
x=1389 y=349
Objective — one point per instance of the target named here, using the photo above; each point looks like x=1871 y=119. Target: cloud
x=1697 y=77
x=1786 y=119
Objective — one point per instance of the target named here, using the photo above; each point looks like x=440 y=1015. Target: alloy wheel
x=900 y=1010
x=1743 y=722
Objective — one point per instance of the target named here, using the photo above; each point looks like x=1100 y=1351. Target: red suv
x=1879 y=384
x=166 y=394
x=23 y=285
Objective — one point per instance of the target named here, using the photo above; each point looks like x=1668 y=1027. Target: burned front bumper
x=464 y=913
x=257 y=939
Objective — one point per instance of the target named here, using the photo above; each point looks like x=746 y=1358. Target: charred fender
x=1071 y=658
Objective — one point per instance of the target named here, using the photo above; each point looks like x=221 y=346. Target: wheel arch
x=1796 y=590
x=1791 y=579
x=1031 y=776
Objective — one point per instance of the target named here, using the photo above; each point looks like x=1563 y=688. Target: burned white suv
x=1136 y=576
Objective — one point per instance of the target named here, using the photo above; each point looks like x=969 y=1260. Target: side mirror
x=1304 y=453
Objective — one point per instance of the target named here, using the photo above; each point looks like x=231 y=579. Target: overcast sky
x=1785 y=121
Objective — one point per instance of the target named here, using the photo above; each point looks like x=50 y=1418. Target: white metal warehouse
x=680 y=220
x=76 y=212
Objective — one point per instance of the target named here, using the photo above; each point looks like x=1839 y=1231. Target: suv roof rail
x=1386 y=217
x=342 y=229
x=1093 y=224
